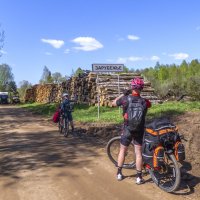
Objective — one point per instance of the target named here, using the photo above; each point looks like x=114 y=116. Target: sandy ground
x=38 y=163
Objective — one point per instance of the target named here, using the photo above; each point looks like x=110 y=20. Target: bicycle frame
x=64 y=125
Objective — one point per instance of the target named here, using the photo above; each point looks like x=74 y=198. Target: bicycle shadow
x=188 y=180
x=187 y=184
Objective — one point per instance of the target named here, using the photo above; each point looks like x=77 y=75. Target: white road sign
x=107 y=67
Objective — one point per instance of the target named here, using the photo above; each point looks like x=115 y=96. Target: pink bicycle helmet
x=137 y=84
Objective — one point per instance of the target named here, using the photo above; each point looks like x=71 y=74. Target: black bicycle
x=63 y=125
x=112 y=149
x=166 y=177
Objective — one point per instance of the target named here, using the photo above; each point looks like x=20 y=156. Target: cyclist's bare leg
x=139 y=162
x=120 y=163
x=121 y=155
x=138 y=155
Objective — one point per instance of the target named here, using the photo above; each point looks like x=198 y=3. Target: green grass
x=90 y=114
x=39 y=108
x=84 y=113
x=172 y=109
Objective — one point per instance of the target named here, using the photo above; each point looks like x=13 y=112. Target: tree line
x=48 y=77
x=178 y=80
x=183 y=79
x=8 y=84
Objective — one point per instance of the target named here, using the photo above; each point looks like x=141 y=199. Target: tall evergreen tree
x=46 y=76
x=78 y=72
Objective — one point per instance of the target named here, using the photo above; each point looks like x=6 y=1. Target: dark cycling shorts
x=127 y=137
x=69 y=116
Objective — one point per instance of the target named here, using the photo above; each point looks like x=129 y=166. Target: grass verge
x=85 y=113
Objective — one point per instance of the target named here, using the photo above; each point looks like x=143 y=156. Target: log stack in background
x=86 y=89
x=44 y=93
x=108 y=88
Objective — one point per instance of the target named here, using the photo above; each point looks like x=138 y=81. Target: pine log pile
x=108 y=87
x=86 y=89
x=78 y=88
x=44 y=93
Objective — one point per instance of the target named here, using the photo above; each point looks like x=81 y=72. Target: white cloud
x=133 y=37
x=154 y=58
x=87 y=43
x=55 y=43
x=3 y=52
x=130 y=59
x=198 y=28
x=48 y=53
x=179 y=56
x=66 y=51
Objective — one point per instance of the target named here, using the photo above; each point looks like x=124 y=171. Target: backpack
x=68 y=106
x=135 y=113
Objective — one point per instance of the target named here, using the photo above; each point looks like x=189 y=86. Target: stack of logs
x=44 y=93
x=86 y=89
x=109 y=86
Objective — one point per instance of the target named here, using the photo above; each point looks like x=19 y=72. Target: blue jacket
x=65 y=106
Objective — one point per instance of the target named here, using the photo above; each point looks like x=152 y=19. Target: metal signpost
x=108 y=68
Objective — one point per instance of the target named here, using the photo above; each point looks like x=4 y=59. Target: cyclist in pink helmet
x=137 y=84
x=134 y=112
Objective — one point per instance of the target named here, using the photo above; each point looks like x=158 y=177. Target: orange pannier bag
x=158 y=156
x=179 y=151
x=156 y=135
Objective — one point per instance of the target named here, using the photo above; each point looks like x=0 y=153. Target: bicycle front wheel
x=113 y=148
x=66 y=127
x=60 y=125
x=168 y=177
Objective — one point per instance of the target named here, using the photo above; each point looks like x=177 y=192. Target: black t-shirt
x=123 y=101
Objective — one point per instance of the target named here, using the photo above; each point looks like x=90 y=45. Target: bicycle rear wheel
x=113 y=148
x=168 y=177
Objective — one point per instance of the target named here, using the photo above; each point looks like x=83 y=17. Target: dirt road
x=36 y=163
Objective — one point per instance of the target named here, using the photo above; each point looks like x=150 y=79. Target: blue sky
x=67 y=34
